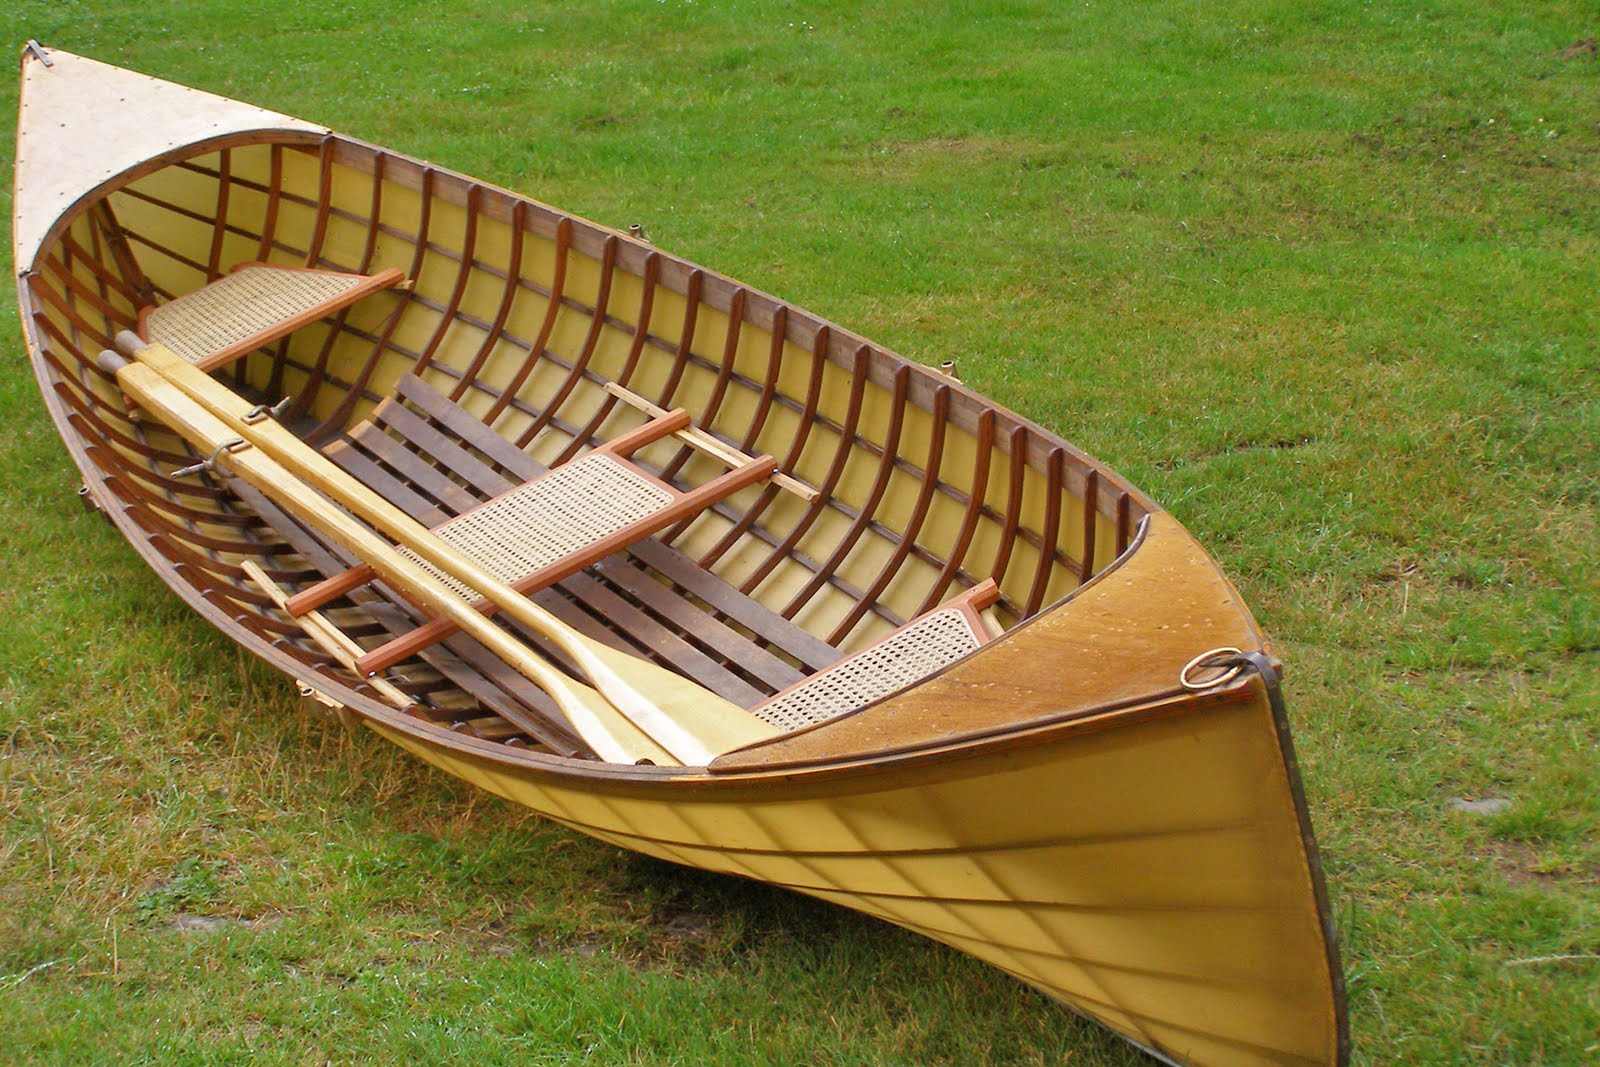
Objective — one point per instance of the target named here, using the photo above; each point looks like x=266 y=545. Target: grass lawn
x=1323 y=278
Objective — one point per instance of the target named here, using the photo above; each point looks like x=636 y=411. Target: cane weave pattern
x=542 y=521
x=904 y=658
x=238 y=306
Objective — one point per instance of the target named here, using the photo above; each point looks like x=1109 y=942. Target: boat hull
x=1141 y=868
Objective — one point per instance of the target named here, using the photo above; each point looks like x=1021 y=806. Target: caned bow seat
x=923 y=646
x=251 y=306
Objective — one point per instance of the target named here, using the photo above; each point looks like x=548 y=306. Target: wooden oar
x=609 y=733
x=686 y=719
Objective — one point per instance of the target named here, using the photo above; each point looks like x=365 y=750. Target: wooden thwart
x=699 y=439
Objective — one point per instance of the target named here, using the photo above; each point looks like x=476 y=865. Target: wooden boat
x=1080 y=789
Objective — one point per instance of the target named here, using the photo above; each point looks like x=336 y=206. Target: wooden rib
x=641 y=331
x=608 y=263
x=704 y=441
x=919 y=515
x=1051 y=531
x=123 y=255
x=1013 y=515
x=76 y=286
x=319 y=233
x=745 y=522
x=38 y=287
x=769 y=387
x=336 y=420
x=1091 y=504
x=691 y=318
x=94 y=259
x=447 y=318
x=880 y=482
x=1124 y=521
x=713 y=403
x=220 y=231
x=103 y=430
x=269 y=223
x=319 y=230
x=314 y=377
x=558 y=283
x=841 y=456
x=974 y=513
x=519 y=224
x=320 y=629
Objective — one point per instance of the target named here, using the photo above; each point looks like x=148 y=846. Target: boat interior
x=678 y=467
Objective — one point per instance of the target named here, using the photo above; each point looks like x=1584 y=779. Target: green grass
x=1320 y=277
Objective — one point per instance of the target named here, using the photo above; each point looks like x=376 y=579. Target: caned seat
x=251 y=306
x=926 y=644
x=552 y=526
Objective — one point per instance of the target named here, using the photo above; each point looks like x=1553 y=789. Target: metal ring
x=1228 y=660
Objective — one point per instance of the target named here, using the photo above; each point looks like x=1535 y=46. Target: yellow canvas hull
x=1148 y=872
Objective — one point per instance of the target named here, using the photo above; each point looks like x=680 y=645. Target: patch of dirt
x=1579 y=49
x=187 y=922
x=1520 y=865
